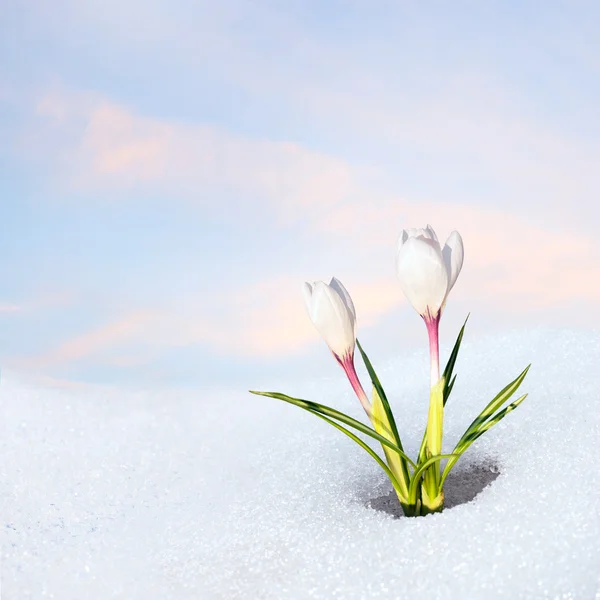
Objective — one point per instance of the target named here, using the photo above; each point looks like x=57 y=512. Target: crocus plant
x=427 y=274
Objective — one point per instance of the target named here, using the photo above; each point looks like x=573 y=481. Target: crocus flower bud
x=332 y=312
x=427 y=272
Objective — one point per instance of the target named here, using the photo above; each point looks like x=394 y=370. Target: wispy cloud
x=10 y=308
x=263 y=320
x=132 y=326
x=94 y=144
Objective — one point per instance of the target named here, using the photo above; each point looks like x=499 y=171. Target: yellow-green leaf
x=383 y=427
x=435 y=421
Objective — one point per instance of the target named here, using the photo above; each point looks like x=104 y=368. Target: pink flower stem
x=433 y=327
x=347 y=363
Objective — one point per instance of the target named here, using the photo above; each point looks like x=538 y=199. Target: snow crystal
x=222 y=495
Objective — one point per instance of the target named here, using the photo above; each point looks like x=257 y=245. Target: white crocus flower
x=332 y=312
x=426 y=271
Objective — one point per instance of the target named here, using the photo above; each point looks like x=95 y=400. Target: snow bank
x=105 y=494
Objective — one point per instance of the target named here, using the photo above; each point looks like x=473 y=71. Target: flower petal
x=337 y=285
x=422 y=273
x=430 y=233
x=401 y=239
x=453 y=254
x=307 y=292
x=417 y=232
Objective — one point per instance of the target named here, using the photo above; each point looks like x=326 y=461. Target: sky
x=172 y=172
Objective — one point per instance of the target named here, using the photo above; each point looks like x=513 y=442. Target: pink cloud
x=133 y=326
x=10 y=308
x=118 y=144
x=262 y=320
x=95 y=143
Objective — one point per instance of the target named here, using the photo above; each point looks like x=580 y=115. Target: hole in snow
x=461 y=486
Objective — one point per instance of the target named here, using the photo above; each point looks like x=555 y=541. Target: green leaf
x=381 y=425
x=381 y=393
x=495 y=419
x=435 y=419
x=416 y=477
x=423 y=448
x=447 y=374
x=448 y=390
x=466 y=441
x=435 y=423
x=387 y=419
x=335 y=414
x=501 y=398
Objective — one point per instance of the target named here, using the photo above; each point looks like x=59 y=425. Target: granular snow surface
x=223 y=495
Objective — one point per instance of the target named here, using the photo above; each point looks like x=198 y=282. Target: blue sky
x=171 y=172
